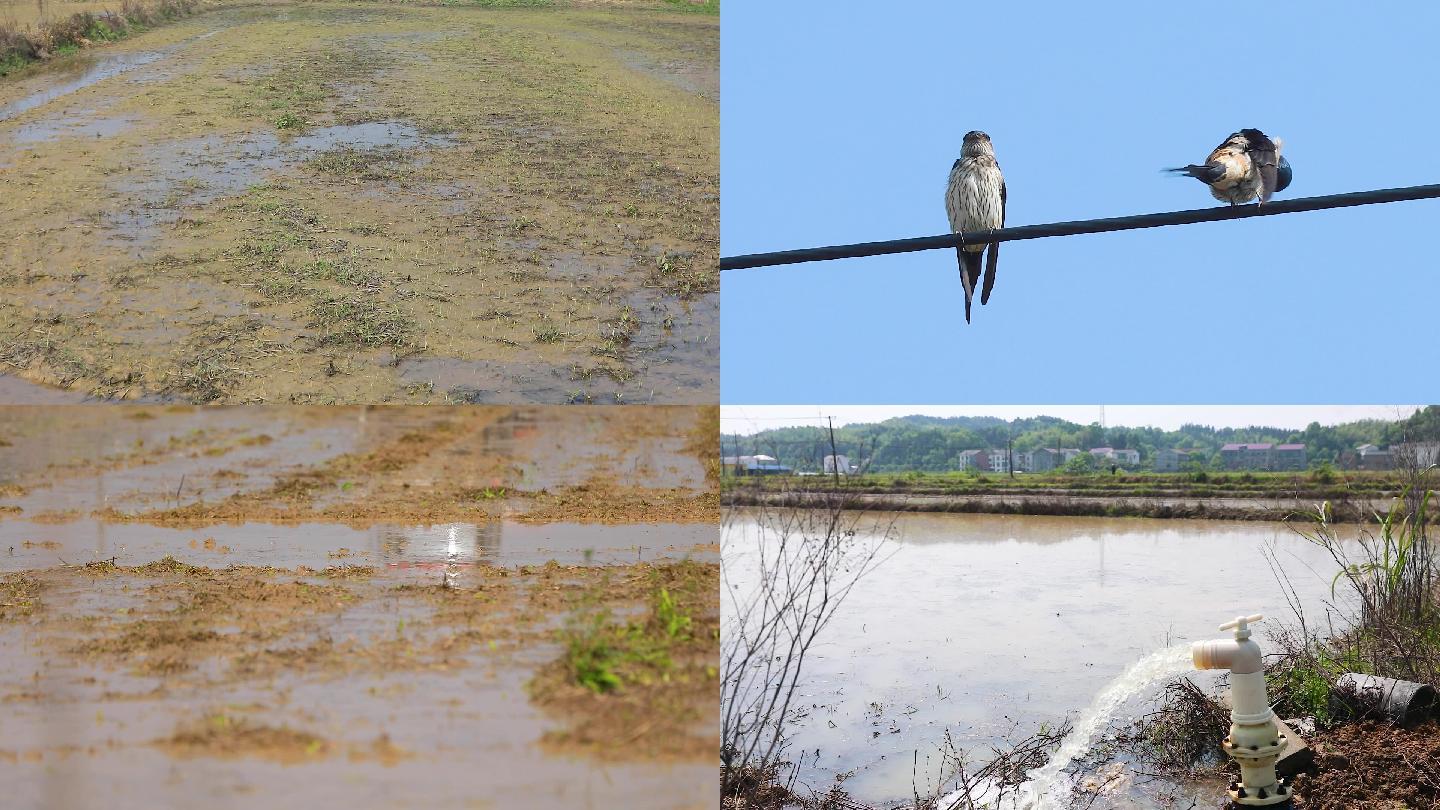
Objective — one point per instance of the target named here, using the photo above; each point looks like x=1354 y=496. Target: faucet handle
x=1241 y=625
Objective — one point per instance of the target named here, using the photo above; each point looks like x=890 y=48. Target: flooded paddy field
x=357 y=202
x=990 y=628
x=384 y=606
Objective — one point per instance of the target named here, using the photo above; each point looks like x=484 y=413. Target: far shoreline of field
x=1250 y=496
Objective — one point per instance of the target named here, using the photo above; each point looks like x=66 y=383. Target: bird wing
x=952 y=199
x=994 y=253
x=1266 y=161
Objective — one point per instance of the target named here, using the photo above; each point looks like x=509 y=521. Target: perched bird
x=1247 y=166
x=975 y=201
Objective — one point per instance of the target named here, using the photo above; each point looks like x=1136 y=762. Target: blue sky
x=840 y=122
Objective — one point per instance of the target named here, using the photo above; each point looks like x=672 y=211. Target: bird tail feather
x=969 y=275
x=1204 y=172
x=991 y=260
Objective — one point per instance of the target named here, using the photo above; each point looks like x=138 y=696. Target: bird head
x=1283 y=174
x=976 y=143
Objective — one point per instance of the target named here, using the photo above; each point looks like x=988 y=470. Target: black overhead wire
x=1078 y=227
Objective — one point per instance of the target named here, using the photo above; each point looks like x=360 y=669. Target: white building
x=1111 y=455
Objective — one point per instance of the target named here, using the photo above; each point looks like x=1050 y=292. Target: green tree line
x=934 y=444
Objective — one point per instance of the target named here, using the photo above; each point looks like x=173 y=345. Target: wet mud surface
x=333 y=203
x=390 y=659
x=1372 y=766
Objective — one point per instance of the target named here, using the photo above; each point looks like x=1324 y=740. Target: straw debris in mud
x=19 y=595
x=606 y=502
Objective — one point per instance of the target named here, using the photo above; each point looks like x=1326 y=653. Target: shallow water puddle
x=691 y=76
x=15 y=391
x=190 y=475
x=198 y=171
x=77 y=124
x=90 y=70
x=131 y=457
x=550 y=450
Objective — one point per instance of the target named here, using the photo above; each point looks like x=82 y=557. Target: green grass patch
x=603 y=655
x=686 y=6
x=289 y=120
x=500 y=3
x=12 y=62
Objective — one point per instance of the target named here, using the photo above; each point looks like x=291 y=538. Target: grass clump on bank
x=21 y=47
x=1393 y=630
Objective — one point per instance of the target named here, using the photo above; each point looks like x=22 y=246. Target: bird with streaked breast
x=1247 y=166
x=975 y=201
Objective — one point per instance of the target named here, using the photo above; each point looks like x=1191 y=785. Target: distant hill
x=934 y=444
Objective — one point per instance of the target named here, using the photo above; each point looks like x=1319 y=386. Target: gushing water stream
x=1047 y=786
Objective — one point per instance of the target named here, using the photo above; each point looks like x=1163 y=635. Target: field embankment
x=1221 y=496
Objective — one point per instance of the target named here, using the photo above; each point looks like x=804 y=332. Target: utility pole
x=834 y=456
x=1010 y=449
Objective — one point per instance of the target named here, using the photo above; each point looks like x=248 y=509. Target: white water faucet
x=1255 y=741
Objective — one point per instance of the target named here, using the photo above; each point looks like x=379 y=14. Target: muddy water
x=393 y=695
x=462 y=734
x=459 y=767
x=135 y=457
x=992 y=626
x=77 y=735
x=550 y=451
x=16 y=391
x=131 y=457
x=420 y=552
